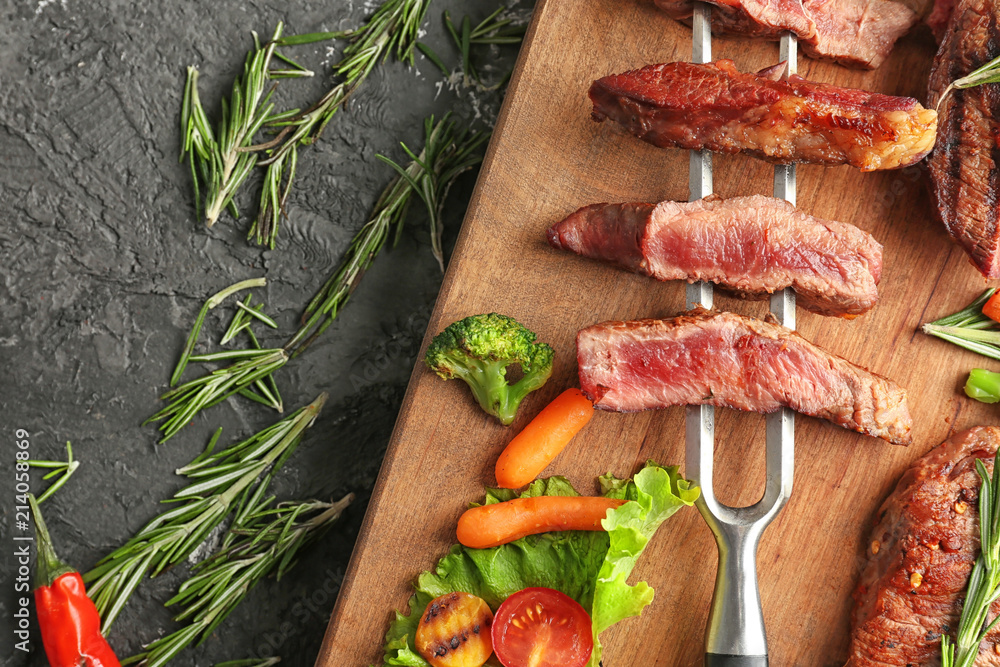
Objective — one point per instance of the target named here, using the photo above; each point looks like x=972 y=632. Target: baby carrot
x=991 y=308
x=500 y=523
x=543 y=438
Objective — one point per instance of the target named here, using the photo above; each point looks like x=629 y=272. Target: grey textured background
x=103 y=268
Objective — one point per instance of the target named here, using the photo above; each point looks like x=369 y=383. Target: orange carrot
x=991 y=308
x=500 y=523
x=543 y=438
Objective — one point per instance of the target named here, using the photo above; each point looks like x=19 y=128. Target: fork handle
x=718 y=660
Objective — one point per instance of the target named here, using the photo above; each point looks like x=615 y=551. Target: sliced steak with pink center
x=723 y=359
x=753 y=246
x=854 y=33
x=776 y=117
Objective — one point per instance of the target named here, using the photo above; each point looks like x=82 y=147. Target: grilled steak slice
x=857 y=33
x=965 y=168
x=854 y=33
x=703 y=357
x=765 y=19
x=772 y=116
x=920 y=556
x=752 y=245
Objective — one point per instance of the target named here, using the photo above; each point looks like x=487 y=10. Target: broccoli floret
x=479 y=349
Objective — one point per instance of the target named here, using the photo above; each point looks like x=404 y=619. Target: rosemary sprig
x=492 y=30
x=988 y=73
x=221 y=483
x=392 y=30
x=969 y=328
x=266 y=540
x=447 y=152
x=63 y=469
x=216 y=159
x=250 y=662
x=984 y=584
x=220 y=161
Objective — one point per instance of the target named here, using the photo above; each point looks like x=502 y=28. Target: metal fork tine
x=735 y=635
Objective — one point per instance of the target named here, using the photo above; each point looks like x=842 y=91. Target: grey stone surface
x=103 y=268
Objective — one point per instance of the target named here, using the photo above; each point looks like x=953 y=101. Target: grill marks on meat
x=920 y=530
x=752 y=245
x=771 y=116
x=724 y=359
x=854 y=33
x=964 y=167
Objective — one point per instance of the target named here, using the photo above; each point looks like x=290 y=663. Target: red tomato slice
x=541 y=627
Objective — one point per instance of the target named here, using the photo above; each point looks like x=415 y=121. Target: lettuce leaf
x=590 y=567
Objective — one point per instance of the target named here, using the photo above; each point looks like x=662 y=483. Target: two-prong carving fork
x=735 y=636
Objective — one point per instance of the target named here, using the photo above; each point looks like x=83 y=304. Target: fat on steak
x=711 y=358
x=753 y=246
x=919 y=558
x=854 y=33
x=965 y=166
x=770 y=115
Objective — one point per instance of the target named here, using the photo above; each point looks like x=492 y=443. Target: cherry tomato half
x=542 y=627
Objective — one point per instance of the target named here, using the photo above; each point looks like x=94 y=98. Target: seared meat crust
x=920 y=556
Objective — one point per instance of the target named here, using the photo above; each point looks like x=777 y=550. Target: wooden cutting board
x=546 y=159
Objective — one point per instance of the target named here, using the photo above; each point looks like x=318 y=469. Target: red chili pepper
x=70 y=624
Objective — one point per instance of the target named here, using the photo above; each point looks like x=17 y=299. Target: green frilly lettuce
x=591 y=567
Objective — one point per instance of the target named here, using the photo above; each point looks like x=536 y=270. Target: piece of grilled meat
x=724 y=359
x=853 y=33
x=965 y=166
x=770 y=115
x=753 y=246
x=920 y=556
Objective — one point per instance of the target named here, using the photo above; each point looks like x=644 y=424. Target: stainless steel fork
x=735 y=636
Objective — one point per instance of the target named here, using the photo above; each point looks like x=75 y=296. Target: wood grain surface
x=546 y=159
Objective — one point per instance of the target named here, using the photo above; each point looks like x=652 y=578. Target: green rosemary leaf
x=312 y=37
x=433 y=57
x=238 y=323
x=63 y=469
x=174 y=534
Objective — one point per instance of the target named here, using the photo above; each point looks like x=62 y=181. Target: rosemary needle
x=266 y=538
x=221 y=482
x=63 y=469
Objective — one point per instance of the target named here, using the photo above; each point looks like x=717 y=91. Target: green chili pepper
x=983 y=385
